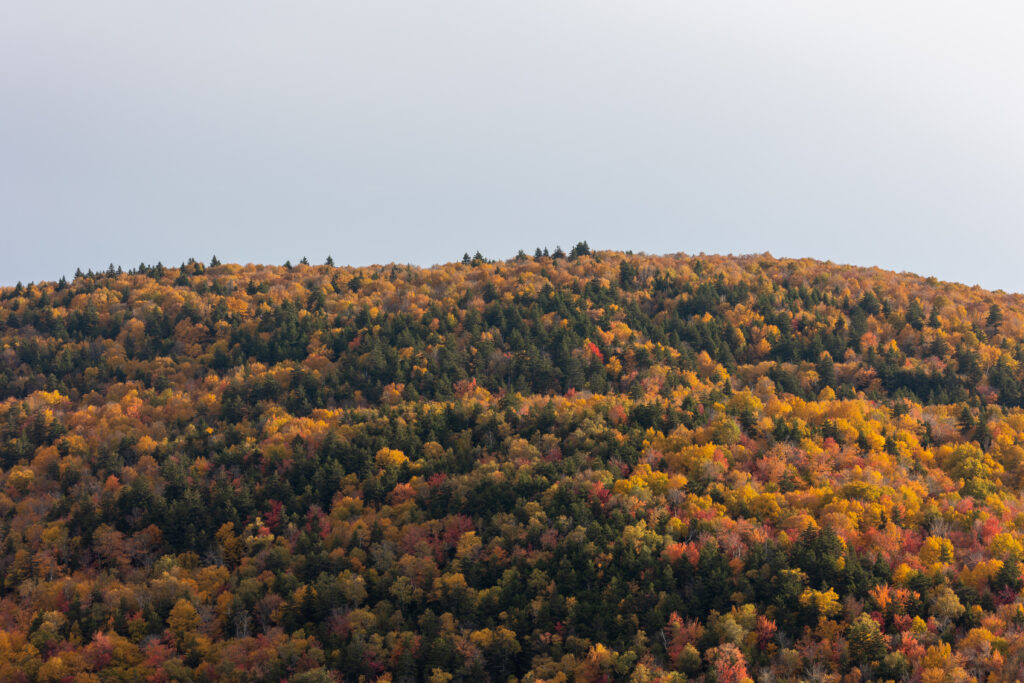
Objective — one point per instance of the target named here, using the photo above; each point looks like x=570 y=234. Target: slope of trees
x=582 y=466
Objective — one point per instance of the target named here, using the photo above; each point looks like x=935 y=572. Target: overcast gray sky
x=876 y=133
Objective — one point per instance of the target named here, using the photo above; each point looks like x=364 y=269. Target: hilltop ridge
x=543 y=311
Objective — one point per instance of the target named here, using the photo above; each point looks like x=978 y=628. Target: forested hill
x=589 y=466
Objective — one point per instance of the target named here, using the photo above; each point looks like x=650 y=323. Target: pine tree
x=867 y=644
x=995 y=317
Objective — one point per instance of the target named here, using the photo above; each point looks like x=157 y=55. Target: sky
x=874 y=133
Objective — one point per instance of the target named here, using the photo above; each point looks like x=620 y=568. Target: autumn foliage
x=585 y=466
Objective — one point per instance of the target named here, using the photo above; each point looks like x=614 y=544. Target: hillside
x=586 y=466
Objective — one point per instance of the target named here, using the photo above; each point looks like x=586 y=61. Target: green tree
x=867 y=644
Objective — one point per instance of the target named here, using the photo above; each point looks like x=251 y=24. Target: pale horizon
x=870 y=134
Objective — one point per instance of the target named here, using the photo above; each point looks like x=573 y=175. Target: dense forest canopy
x=564 y=466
